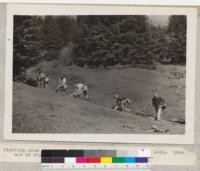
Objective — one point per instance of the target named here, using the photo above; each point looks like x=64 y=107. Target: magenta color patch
x=81 y=160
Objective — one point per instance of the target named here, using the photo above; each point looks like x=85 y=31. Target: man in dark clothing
x=159 y=105
x=42 y=80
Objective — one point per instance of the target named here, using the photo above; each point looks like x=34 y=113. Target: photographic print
x=100 y=74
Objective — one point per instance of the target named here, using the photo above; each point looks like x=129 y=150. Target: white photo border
x=36 y=9
x=111 y=2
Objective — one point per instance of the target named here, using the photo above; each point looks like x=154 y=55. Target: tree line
x=96 y=40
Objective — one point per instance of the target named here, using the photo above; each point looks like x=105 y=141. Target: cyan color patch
x=130 y=160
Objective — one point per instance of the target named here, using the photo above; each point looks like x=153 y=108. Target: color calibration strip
x=95 y=159
x=77 y=160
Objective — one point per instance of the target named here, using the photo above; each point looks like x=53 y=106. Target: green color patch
x=118 y=160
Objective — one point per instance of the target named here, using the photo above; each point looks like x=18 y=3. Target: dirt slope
x=39 y=110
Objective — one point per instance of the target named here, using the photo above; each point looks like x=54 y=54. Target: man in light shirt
x=46 y=81
x=81 y=89
x=62 y=85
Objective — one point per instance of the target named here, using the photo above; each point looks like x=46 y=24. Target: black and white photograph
x=99 y=74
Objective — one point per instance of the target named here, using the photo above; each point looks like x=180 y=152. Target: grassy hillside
x=42 y=110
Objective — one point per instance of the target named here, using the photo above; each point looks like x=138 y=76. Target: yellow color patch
x=106 y=159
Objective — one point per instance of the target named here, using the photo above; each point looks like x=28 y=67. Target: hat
x=156 y=95
x=116 y=96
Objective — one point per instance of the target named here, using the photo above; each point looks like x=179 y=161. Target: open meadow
x=39 y=110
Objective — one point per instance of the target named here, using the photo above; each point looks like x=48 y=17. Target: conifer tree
x=110 y=40
x=177 y=30
x=52 y=40
x=25 y=45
